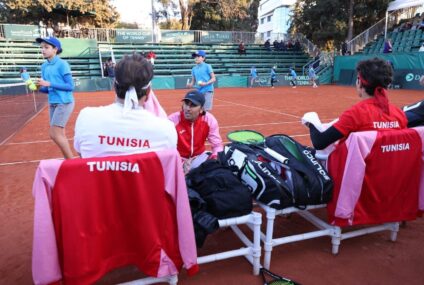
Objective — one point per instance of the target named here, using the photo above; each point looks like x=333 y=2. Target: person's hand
x=201 y=83
x=189 y=85
x=41 y=82
x=213 y=156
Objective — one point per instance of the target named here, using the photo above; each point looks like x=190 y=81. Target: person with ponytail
x=373 y=112
x=128 y=125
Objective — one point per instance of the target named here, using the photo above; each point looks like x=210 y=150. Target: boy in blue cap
x=202 y=78
x=56 y=80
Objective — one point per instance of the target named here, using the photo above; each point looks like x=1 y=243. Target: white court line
x=30 y=142
x=262 y=109
x=261 y=124
x=26 y=161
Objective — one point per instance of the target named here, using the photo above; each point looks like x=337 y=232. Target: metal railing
x=393 y=18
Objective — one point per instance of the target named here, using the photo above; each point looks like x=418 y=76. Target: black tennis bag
x=311 y=181
x=224 y=194
x=256 y=169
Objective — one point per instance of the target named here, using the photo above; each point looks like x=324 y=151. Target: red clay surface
x=370 y=259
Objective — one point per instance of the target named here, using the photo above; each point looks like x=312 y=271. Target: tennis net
x=18 y=105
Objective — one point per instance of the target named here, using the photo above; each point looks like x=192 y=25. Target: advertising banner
x=177 y=36
x=137 y=36
x=21 y=32
x=216 y=37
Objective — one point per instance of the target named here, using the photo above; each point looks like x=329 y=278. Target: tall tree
x=350 y=20
x=230 y=15
x=326 y=22
x=99 y=13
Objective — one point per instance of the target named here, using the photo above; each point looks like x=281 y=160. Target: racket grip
x=276 y=155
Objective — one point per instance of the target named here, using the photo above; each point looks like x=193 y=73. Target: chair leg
x=173 y=280
x=393 y=231
x=270 y=217
x=335 y=240
x=256 y=250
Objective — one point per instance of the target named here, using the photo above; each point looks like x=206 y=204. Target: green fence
x=408 y=69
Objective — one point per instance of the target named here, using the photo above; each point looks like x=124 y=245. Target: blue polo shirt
x=55 y=71
x=202 y=72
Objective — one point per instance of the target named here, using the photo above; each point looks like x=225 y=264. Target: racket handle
x=276 y=155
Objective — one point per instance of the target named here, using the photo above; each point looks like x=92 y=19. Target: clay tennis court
x=370 y=259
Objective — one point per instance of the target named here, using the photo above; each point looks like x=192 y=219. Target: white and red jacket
x=94 y=215
x=378 y=177
x=192 y=135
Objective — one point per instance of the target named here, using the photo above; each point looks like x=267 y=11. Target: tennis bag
x=224 y=194
x=256 y=169
x=311 y=181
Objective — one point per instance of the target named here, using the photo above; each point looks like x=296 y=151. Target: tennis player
x=293 y=74
x=253 y=76
x=312 y=76
x=373 y=112
x=125 y=126
x=203 y=78
x=56 y=80
x=194 y=126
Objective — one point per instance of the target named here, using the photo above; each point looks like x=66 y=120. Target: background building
x=274 y=18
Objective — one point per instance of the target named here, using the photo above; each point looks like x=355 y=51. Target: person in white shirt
x=124 y=127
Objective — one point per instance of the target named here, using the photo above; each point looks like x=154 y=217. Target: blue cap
x=201 y=53
x=51 y=41
x=195 y=97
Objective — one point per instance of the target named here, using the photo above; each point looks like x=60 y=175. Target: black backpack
x=257 y=170
x=311 y=181
x=224 y=194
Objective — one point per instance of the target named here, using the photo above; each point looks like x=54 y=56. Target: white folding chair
x=252 y=249
x=359 y=147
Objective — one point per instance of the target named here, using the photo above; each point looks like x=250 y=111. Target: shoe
x=272 y=86
x=294 y=87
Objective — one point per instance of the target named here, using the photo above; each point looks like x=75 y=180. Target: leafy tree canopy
x=325 y=22
x=99 y=13
x=216 y=15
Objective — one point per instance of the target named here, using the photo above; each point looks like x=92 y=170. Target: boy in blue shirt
x=253 y=75
x=273 y=76
x=294 y=76
x=202 y=78
x=56 y=80
x=312 y=76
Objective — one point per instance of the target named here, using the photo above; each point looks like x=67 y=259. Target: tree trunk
x=184 y=15
x=350 y=23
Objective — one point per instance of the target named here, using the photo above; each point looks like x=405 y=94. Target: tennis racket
x=278 y=280
x=255 y=139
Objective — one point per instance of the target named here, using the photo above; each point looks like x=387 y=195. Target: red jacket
x=192 y=135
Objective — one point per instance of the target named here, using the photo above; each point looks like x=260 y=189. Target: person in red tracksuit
x=373 y=112
x=194 y=126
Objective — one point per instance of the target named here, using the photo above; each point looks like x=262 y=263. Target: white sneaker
x=294 y=87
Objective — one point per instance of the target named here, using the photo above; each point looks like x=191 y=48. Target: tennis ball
x=31 y=85
x=199 y=82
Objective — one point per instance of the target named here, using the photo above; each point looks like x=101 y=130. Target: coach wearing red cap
x=203 y=78
x=194 y=126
